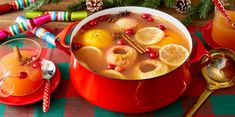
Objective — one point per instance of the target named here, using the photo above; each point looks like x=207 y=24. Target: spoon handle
x=46 y=97
x=199 y=102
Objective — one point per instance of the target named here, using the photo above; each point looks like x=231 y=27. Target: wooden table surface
x=9 y=18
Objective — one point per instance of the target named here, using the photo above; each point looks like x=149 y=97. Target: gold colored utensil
x=219 y=73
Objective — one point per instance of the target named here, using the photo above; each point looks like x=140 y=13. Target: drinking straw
x=221 y=8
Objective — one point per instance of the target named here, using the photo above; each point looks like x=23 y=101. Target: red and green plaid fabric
x=65 y=102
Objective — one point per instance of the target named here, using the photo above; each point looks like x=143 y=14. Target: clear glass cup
x=21 y=75
x=222 y=30
x=4 y=74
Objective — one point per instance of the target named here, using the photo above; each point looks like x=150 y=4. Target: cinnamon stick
x=133 y=43
x=17 y=53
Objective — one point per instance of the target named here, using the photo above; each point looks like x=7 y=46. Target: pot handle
x=61 y=37
x=198 y=53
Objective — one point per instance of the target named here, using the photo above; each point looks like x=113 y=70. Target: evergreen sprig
x=77 y=6
x=39 y=3
x=199 y=11
x=169 y=3
x=151 y=3
x=117 y=3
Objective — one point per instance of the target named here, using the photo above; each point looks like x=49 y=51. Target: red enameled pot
x=130 y=96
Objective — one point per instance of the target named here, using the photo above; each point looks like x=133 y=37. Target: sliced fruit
x=97 y=37
x=174 y=38
x=121 y=55
x=112 y=74
x=151 y=68
x=126 y=23
x=149 y=35
x=173 y=54
x=90 y=51
x=166 y=40
x=85 y=54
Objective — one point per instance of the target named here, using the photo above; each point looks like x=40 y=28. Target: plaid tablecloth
x=65 y=102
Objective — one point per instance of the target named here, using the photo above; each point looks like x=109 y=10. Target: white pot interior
x=134 y=9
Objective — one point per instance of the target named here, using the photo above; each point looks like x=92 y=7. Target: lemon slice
x=173 y=54
x=97 y=37
x=126 y=23
x=90 y=51
x=85 y=54
x=151 y=68
x=112 y=74
x=149 y=35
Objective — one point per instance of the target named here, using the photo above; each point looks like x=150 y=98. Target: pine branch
x=77 y=6
x=205 y=8
x=39 y=3
x=169 y=3
x=198 y=12
x=108 y=3
x=192 y=14
x=151 y=3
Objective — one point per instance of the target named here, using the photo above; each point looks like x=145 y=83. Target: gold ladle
x=219 y=73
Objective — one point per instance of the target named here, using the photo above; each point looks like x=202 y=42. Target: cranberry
x=145 y=15
x=22 y=75
x=119 y=68
x=130 y=32
x=162 y=27
x=148 y=49
x=36 y=64
x=103 y=18
x=111 y=66
x=121 y=42
x=76 y=46
x=93 y=22
x=150 y=19
x=153 y=55
x=85 y=27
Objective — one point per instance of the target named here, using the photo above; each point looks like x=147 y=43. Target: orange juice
x=222 y=31
x=26 y=85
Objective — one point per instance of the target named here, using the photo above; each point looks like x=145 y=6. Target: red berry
x=162 y=27
x=22 y=75
x=93 y=22
x=103 y=18
x=111 y=66
x=130 y=32
x=145 y=15
x=36 y=64
x=119 y=68
x=153 y=55
x=85 y=27
x=76 y=46
x=121 y=42
x=148 y=49
x=150 y=19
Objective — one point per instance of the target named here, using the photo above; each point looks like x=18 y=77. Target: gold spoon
x=219 y=73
